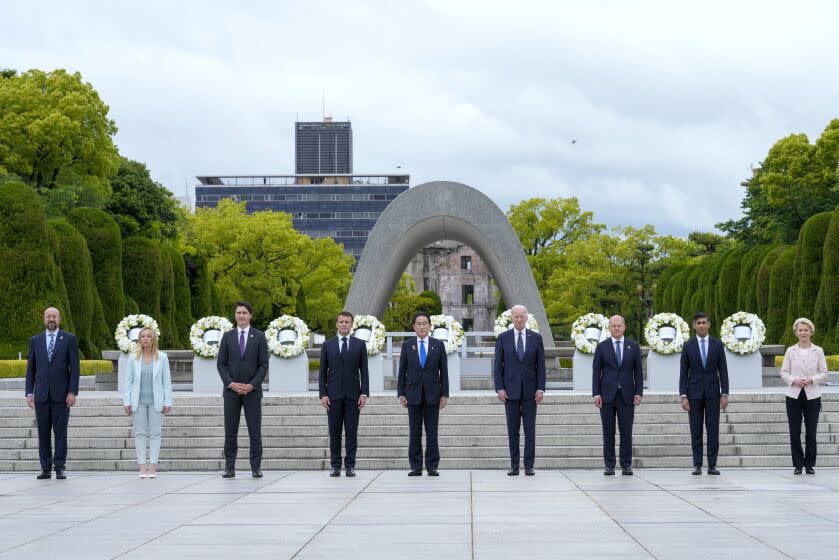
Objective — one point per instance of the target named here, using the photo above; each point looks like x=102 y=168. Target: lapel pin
x=413 y=347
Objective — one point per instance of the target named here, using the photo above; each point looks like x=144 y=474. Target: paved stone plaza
x=754 y=514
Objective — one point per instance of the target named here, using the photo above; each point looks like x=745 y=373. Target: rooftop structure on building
x=323 y=147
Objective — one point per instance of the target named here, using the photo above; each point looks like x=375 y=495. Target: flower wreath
x=578 y=331
x=660 y=320
x=456 y=335
x=377 y=330
x=749 y=345
x=124 y=343
x=504 y=322
x=287 y=323
x=196 y=335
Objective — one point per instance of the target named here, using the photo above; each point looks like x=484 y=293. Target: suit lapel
x=612 y=353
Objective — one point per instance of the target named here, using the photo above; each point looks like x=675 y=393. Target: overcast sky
x=669 y=105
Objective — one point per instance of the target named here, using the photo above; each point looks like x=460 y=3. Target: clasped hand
x=241 y=388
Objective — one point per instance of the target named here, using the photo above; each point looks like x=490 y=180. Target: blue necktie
x=51 y=347
x=344 y=345
x=618 y=352
x=422 y=353
x=520 y=348
x=704 y=353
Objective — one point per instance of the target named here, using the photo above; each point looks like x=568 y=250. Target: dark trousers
x=705 y=410
x=233 y=404
x=625 y=414
x=343 y=417
x=52 y=418
x=809 y=409
x=522 y=411
x=429 y=415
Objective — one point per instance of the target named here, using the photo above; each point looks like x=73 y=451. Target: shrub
x=826 y=313
x=17 y=368
x=764 y=272
x=142 y=274
x=780 y=281
x=807 y=272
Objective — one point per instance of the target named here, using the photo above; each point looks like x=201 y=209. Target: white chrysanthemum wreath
x=504 y=322
x=376 y=341
x=748 y=345
x=587 y=321
x=283 y=349
x=133 y=322
x=455 y=335
x=654 y=325
x=202 y=347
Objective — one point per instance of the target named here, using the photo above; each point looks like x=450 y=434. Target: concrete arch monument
x=433 y=212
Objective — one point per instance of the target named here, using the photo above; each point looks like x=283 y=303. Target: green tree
x=169 y=336
x=747 y=292
x=780 y=283
x=764 y=273
x=54 y=129
x=183 y=299
x=325 y=276
x=200 y=286
x=437 y=308
x=142 y=206
x=727 y=284
x=404 y=304
x=30 y=278
x=142 y=273
x=826 y=314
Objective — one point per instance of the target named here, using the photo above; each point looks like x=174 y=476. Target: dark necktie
x=344 y=345
x=51 y=347
x=618 y=353
x=704 y=353
x=520 y=347
x=422 y=353
x=241 y=344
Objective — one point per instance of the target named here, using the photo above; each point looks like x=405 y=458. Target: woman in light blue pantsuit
x=147 y=397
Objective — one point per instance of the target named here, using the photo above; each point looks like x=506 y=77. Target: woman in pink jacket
x=803 y=369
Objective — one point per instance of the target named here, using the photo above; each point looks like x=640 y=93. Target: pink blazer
x=813 y=365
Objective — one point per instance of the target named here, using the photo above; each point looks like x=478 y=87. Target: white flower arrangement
x=377 y=332
x=124 y=343
x=654 y=341
x=504 y=322
x=202 y=347
x=456 y=335
x=737 y=345
x=290 y=323
x=587 y=321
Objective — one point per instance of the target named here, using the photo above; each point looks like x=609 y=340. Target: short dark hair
x=242 y=303
x=420 y=314
x=345 y=314
x=700 y=315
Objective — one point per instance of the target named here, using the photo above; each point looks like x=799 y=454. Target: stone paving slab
x=463 y=514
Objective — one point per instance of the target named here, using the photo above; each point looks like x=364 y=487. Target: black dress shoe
x=529 y=472
x=627 y=471
x=797 y=470
x=609 y=471
x=350 y=471
x=415 y=473
x=229 y=473
x=697 y=469
x=810 y=470
x=44 y=475
x=513 y=472
x=256 y=473
x=433 y=472
x=59 y=474
x=713 y=470
x=336 y=472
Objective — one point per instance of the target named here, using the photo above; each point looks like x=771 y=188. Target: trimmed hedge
x=17 y=368
x=826 y=312
x=168 y=331
x=198 y=277
x=104 y=242
x=672 y=299
x=663 y=298
x=142 y=275
x=780 y=282
x=183 y=300
x=30 y=278
x=747 y=292
x=764 y=272
x=77 y=269
x=807 y=274
x=728 y=284
x=691 y=285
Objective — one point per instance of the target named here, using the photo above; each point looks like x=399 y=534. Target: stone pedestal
x=205 y=376
x=122 y=371
x=376 y=372
x=744 y=371
x=453 y=363
x=289 y=375
x=663 y=371
x=582 y=373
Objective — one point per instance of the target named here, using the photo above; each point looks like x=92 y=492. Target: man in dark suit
x=423 y=388
x=519 y=374
x=52 y=383
x=617 y=386
x=703 y=387
x=343 y=386
x=242 y=364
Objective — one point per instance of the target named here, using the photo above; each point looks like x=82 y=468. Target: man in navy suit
x=703 y=387
x=617 y=387
x=242 y=363
x=52 y=383
x=519 y=374
x=423 y=388
x=343 y=387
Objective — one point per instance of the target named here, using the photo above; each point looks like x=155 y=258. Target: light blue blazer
x=161 y=383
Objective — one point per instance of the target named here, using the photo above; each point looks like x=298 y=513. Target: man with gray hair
x=519 y=373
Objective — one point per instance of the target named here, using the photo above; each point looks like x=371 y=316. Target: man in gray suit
x=242 y=364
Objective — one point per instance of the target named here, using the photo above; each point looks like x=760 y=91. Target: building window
x=468 y=324
x=468 y=294
x=466 y=263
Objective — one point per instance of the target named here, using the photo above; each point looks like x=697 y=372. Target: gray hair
x=523 y=308
x=804 y=321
